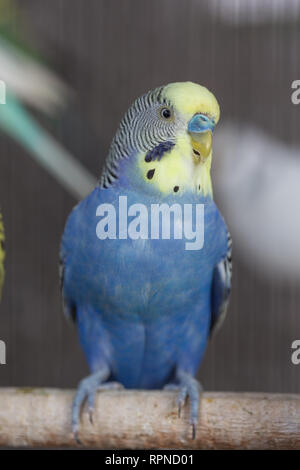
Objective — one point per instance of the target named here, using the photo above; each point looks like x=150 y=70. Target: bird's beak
x=200 y=129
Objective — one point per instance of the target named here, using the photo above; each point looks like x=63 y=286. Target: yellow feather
x=179 y=167
x=190 y=98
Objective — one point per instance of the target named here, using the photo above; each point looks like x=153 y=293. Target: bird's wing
x=221 y=286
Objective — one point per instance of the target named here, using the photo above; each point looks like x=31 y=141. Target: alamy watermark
x=295 y=357
x=2 y=353
x=2 y=343
x=160 y=221
x=2 y=92
x=295 y=96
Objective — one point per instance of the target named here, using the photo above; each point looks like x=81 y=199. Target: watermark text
x=295 y=357
x=2 y=92
x=2 y=353
x=295 y=96
x=159 y=221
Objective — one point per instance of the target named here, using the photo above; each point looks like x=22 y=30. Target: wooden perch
x=149 y=420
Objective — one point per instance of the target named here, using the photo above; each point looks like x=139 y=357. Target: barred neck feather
x=133 y=134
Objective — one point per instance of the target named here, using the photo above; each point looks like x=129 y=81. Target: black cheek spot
x=150 y=174
x=176 y=188
x=196 y=152
x=199 y=187
x=148 y=158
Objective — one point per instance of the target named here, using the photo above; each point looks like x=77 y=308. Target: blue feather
x=157 y=152
x=143 y=306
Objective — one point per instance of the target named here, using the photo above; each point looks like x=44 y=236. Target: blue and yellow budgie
x=145 y=305
x=2 y=254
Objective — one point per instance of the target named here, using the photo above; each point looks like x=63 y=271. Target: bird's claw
x=91 y=397
x=91 y=415
x=188 y=387
x=87 y=391
x=194 y=430
x=181 y=398
x=76 y=437
x=91 y=404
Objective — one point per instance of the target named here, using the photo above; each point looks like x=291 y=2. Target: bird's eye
x=166 y=113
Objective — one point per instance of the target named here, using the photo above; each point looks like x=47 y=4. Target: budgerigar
x=144 y=304
x=2 y=254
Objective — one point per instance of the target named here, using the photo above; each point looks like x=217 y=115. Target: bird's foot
x=188 y=387
x=86 y=390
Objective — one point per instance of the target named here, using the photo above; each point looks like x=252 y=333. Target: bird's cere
x=201 y=123
x=159 y=222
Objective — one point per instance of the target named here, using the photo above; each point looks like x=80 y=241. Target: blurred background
x=72 y=68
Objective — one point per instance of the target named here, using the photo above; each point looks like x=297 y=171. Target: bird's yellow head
x=169 y=130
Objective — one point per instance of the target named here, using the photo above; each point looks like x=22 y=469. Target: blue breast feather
x=142 y=306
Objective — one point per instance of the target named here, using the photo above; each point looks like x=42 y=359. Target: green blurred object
x=29 y=82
